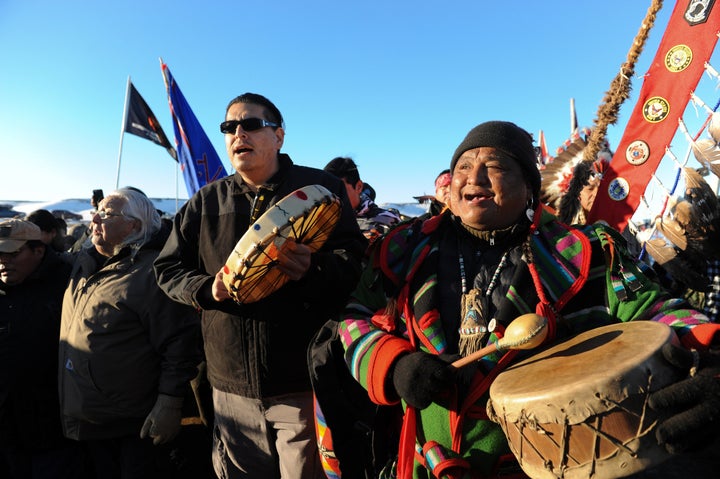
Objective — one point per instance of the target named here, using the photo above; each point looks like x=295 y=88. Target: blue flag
x=199 y=162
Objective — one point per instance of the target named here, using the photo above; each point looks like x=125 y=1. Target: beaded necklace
x=474 y=307
x=493 y=280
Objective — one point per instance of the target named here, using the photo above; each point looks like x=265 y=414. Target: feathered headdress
x=568 y=173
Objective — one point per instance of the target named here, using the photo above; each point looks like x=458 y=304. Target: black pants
x=186 y=457
x=127 y=457
x=62 y=462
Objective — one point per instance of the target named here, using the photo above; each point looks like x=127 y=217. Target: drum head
x=307 y=215
x=578 y=409
x=586 y=371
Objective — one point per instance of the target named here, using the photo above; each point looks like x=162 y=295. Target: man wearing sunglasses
x=256 y=353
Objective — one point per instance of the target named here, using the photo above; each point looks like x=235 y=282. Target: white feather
x=714 y=127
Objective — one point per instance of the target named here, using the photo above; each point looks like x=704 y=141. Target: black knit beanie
x=509 y=138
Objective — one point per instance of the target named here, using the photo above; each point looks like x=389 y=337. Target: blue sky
x=395 y=85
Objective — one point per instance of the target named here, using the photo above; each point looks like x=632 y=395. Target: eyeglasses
x=248 y=124
x=105 y=215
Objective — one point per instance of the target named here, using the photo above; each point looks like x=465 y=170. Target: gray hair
x=139 y=207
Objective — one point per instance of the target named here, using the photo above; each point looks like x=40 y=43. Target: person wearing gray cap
x=32 y=281
x=439 y=289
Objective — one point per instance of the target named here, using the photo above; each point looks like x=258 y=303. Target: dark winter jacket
x=258 y=349
x=122 y=342
x=29 y=328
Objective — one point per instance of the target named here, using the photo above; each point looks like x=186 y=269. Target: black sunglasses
x=248 y=124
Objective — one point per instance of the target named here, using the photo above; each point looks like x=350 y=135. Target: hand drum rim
x=308 y=215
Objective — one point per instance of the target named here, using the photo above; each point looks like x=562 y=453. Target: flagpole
x=122 y=132
x=177 y=166
x=574 y=128
x=177 y=192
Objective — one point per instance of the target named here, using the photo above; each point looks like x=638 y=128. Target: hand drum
x=307 y=215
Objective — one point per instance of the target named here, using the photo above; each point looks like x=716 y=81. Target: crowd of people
x=127 y=355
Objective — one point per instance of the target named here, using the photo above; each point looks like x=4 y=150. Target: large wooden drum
x=579 y=408
x=307 y=215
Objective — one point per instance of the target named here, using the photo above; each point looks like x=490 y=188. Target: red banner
x=687 y=44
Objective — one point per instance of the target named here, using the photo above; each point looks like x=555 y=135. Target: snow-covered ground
x=80 y=207
x=168 y=205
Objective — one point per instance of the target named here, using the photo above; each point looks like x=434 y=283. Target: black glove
x=163 y=422
x=693 y=403
x=421 y=378
x=463 y=376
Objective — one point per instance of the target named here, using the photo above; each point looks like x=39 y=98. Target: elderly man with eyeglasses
x=32 y=281
x=256 y=352
x=127 y=351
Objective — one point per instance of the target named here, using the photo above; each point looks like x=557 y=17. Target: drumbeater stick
x=524 y=332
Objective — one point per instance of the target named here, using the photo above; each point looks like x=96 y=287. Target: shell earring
x=529 y=211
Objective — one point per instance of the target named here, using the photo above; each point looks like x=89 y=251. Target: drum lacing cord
x=319 y=221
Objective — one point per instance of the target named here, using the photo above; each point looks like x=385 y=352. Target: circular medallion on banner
x=656 y=109
x=619 y=189
x=678 y=58
x=637 y=152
